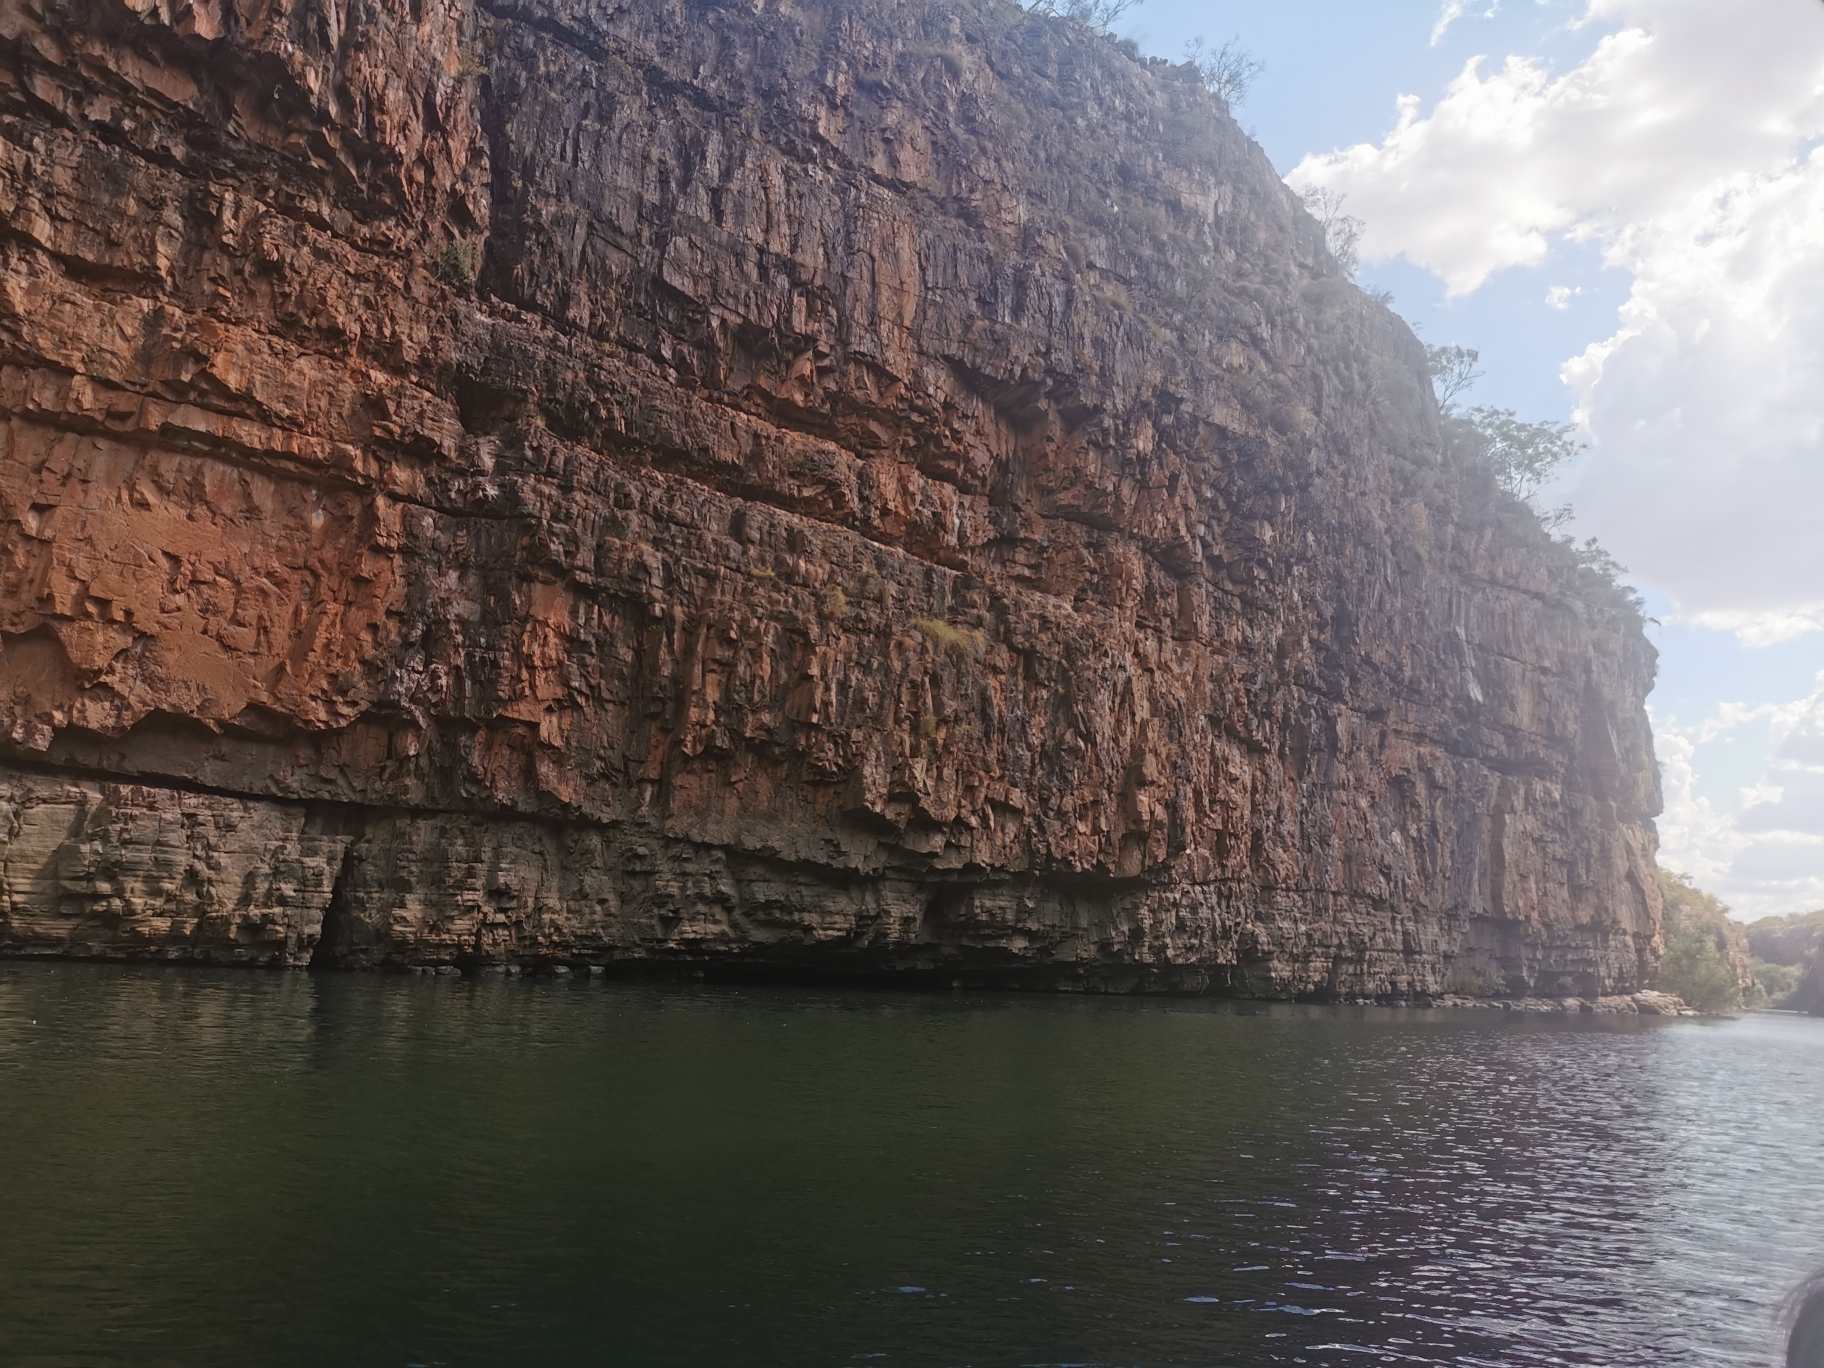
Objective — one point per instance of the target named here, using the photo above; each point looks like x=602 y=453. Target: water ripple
x=202 y=1169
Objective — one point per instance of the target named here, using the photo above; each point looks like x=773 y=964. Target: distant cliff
x=827 y=487
x=1788 y=957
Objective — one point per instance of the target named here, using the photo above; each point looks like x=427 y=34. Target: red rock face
x=810 y=486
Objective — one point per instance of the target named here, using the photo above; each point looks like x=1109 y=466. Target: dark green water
x=202 y=1168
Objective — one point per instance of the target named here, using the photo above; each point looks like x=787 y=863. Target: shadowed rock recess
x=891 y=487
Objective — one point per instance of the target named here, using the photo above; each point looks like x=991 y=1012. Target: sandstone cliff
x=830 y=485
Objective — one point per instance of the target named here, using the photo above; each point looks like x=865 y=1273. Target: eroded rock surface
x=844 y=487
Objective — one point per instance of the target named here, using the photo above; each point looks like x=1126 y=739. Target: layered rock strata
x=809 y=486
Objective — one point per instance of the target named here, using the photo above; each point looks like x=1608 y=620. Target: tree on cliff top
x=1342 y=232
x=1453 y=372
x=1098 y=16
x=1228 y=72
x=1522 y=456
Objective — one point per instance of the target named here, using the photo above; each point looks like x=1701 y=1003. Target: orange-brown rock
x=805 y=485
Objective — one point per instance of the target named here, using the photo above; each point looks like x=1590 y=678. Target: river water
x=202 y=1168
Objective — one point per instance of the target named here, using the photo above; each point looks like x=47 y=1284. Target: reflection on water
x=204 y=1168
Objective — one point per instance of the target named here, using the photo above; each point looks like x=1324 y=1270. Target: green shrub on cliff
x=457 y=262
x=1695 y=971
x=961 y=643
x=1705 y=961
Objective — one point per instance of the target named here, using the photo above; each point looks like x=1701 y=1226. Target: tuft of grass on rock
x=960 y=643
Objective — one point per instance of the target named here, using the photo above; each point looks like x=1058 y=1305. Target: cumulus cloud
x=1707 y=416
x=1681 y=146
x=1763 y=853
x=1683 y=93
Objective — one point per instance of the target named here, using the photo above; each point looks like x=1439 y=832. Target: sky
x=1620 y=204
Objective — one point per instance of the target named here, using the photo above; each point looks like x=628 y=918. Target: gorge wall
x=814 y=485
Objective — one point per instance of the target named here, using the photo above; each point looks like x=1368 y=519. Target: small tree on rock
x=1453 y=372
x=1342 y=232
x=1524 y=456
x=1228 y=72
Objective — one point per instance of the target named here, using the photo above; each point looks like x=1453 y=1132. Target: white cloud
x=1762 y=628
x=1708 y=473
x=1680 y=147
x=1693 y=838
x=1729 y=717
x=1560 y=296
x=1452 y=11
x=1684 y=92
x=1765 y=854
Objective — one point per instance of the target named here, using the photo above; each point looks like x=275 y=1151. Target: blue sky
x=1621 y=221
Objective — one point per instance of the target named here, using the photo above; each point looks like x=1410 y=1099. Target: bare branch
x=1098 y=16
